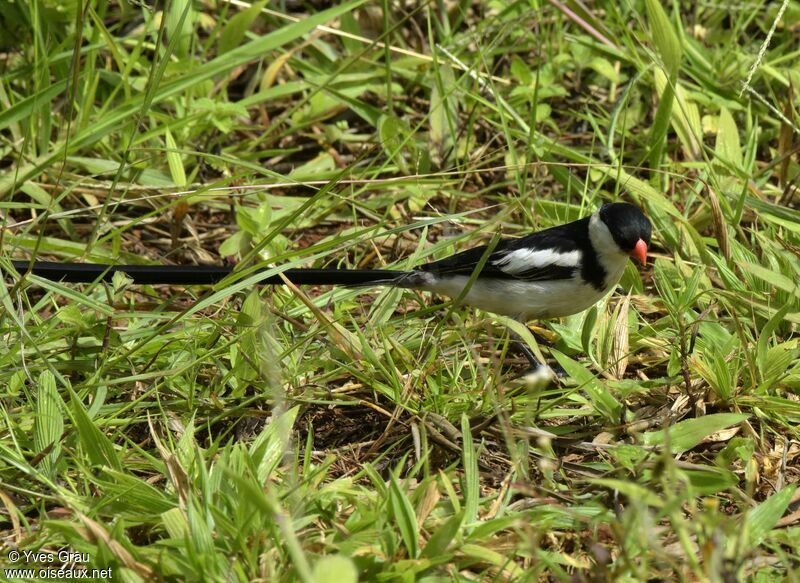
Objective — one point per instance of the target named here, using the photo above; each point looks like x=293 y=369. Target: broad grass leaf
x=606 y=69
x=684 y=114
x=41 y=196
x=174 y=161
x=775 y=279
x=440 y=540
x=669 y=49
x=728 y=147
x=601 y=398
x=471 y=484
x=48 y=425
x=319 y=168
x=487 y=555
x=201 y=540
x=254 y=220
x=174 y=522
x=270 y=446
x=443 y=113
x=687 y=123
x=588 y=330
x=128 y=493
x=180 y=24
x=779 y=362
x=661 y=120
x=253 y=361
x=235 y=245
x=271 y=74
x=106 y=168
x=97 y=446
x=763 y=518
x=762 y=346
x=394 y=135
x=711 y=481
x=687 y=434
x=67 y=291
x=404 y=517
x=238 y=25
x=720 y=374
x=664 y=37
x=488 y=528
x=27 y=107
x=335 y=568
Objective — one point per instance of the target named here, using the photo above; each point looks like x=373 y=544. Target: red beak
x=639 y=252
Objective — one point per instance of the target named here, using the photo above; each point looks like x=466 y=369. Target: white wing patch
x=524 y=260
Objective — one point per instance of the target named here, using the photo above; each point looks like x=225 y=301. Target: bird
x=547 y=274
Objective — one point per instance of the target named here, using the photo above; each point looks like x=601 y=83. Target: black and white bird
x=552 y=273
x=549 y=274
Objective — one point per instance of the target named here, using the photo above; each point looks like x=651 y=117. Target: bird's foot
x=538 y=375
x=543 y=372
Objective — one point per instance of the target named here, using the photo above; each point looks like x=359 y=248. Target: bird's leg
x=537 y=368
x=526 y=351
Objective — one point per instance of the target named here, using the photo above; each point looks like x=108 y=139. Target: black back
x=573 y=236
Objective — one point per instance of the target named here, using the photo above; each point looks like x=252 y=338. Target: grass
x=243 y=433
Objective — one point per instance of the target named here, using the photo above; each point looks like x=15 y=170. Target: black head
x=628 y=226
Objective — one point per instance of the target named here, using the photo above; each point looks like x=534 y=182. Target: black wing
x=561 y=239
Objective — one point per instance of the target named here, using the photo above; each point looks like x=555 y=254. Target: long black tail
x=201 y=274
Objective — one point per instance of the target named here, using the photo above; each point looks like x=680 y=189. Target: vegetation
x=245 y=433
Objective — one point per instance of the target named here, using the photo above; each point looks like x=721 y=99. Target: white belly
x=526 y=300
